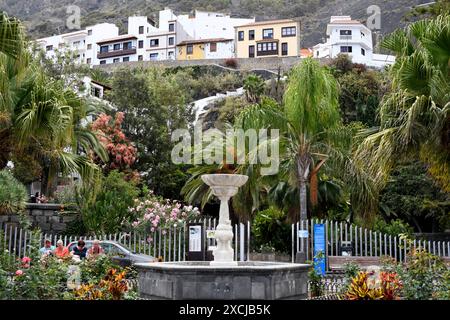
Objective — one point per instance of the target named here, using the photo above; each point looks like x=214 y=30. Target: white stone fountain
x=223 y=278
x=224 y=186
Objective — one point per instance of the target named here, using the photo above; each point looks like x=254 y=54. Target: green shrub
x=270 y=229
x=393 y=227
x=65 y=194
x=13 y=195
x=104 y=204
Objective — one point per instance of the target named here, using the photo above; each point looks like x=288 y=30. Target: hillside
x=47 y=17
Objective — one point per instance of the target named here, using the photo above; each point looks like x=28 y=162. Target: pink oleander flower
x=19 y=272
x=26 y=260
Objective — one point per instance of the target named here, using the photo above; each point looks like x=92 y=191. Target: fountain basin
x=199 y=280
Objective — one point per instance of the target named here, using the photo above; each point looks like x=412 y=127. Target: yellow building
x=276 y=38
x=217 y=48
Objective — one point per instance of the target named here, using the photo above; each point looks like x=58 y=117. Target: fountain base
x=199 y=280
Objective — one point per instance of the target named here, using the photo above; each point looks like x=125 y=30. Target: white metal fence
x=365 y=243
x=170 y=244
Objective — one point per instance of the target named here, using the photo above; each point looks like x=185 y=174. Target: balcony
x=116 y=53
x=345 y=37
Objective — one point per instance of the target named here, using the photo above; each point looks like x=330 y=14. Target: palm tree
x=11 y=36
x=39 y=110
x=312 y=137
x=254 y=88
x=415 y=116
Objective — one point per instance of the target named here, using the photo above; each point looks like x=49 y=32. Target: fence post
x=292 y=243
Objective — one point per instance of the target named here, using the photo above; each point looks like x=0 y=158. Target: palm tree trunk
x=303 y=173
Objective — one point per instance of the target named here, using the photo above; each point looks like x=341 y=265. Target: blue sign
x=319 y=248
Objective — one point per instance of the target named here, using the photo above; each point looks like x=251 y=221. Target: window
x=288 y=32
x=345 y=34
x=103 y=48
x=267 y=48
x=171 y=41
x=140 y=57
x=141 y=44
x=268 y=33
x=363 y=52
x=154 y=42
x=117 y=46
x=171 y=54
x=76 y=43
x=127 y=45
x=213 y=47
x=116 y=60
x=251 y=51
x=89 y=46
x=126 y=59
x=171 y=27
x=141 y=29
x=49 y=48
x=89 y=32
x=284 y=49
x=346 y=49
x=88 y=60
x=241 y=35
x=153 y=56
x=363 y=34
x=189 y=49
x=251 y=34
x=102 y=61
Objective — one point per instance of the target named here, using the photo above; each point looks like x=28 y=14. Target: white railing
x=170 y=244
x=365 y=242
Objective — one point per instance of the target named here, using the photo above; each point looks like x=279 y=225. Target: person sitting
x=95 y=250
x=47 y=249
x=61 y=251
x=80 y=250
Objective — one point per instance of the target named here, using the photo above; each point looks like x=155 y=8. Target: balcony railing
x=347 y=37
x=115 y=53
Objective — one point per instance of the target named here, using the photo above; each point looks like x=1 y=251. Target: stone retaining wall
x=50 y=218
x=243 y=64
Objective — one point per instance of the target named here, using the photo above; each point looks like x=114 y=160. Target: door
x=251 y=51
x=284 y=49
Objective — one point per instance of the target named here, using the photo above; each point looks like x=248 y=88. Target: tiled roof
x=123 y=37
x=259 y=23
x=203 y=41
x=345 y=22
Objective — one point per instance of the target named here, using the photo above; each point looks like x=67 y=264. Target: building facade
x=351 y=37
x=82 y=42
x=218 y=48
x=277 y=38
x=117 y=49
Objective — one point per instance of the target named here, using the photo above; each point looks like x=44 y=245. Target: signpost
x=319 y=248
x=196 y=251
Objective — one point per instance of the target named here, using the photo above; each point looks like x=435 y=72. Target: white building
x=82 y=42
x=102 y=44
x=117 y=49
x=351 y=37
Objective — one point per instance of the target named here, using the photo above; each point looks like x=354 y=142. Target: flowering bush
x=153 y=213
x=374 y=286
x=121 y=152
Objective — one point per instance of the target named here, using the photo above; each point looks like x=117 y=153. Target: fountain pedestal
x=224 y=186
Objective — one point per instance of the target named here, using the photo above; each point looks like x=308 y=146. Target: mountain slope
x=48 y=17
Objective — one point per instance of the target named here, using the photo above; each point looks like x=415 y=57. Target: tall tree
x=415 y=116
x=39 y=111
